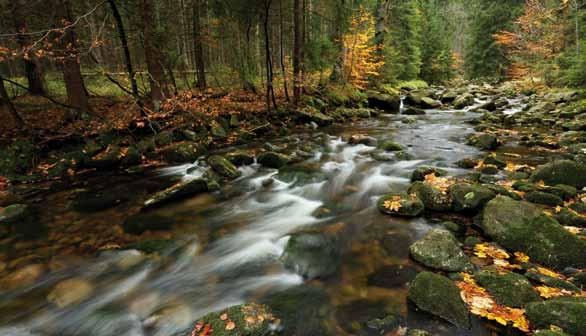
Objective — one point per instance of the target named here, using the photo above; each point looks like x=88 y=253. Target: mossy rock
x=539 y=197
x=561 y=172
x=413 y=111
x=484 y=141
x=164 y=138
x=273 y=159
x=240 y=158
x=438 y=295
x=438 y=249
x=463 y=101
x=183 y=152
x=521 y=226
x=467 y=163
x=432 y=198
x=131 y=157
x=566 y=313
x=489 y=170
x=310 y=114
x=551 y=281
x=495 y=161
x=178 y=191
x=386 y=102
x=217 y=130
x=509 y=289
x=249 y=319
x=420 y=173
x=563 y=191
x=550 y=333
x=312 y=255
x=408 y=205
x=470 y=197
x=390 y=146
x=224 y=167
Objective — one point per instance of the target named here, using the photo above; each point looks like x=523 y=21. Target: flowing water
x=230 y=242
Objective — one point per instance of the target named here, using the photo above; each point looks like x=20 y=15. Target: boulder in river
x=439 y=296
x=309 y=114
x=224 y=167
x=439 y=249
x=70 y=291
x=312 y=255
x=521 y=226
x=567 y=313
x=509 y=289
x=401 y=205
x=273 y=159
x=182 y=152
x=249 y=319
x=463 y=101
x=470 y=197
x=180 y=190
x=430 y=103
x=484 y=141
x=390 y=146
x=411 y=110
x=382 y=101
x=361 y=139
x=539 y=197
x=420 y=173
x=240 y=158
x=561 y=172
x=432 y=198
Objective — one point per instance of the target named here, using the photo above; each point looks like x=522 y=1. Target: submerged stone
x=438 y=295
x=484 y=141
x=439 y=249
x=312 y=255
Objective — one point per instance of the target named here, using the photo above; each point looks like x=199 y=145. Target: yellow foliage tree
x=361 y=62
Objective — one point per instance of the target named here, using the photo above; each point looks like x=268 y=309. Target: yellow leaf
x=230 y=325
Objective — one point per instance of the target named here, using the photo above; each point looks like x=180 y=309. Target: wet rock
x=273 y=160
x=439 y=249
x=249 y=319
x=550 y=281
x=568 y=217
x=495 y=161
x=164 y=138
x=147 y=222
x=469 y=197
x=386 y=102
x=392 y=276
x=22 y=219
x=432 y=198
x=354 y=316
x=390 y=146
x=413 y=111
x=488 y=106
x=463 y=101
x=312 y=255
x=302 y=173
x=539 y=197
x=396 y=244
x=509 y=289
x=438 y=295
x=521 y=226
x=309 y=320
x=420 y=173
x=385 y=325
x=563 y=191
x=310 y=114
x=579 y=279
x=566 y=313
x=467 y=163
x=542 y=107
x=400 y=205
x=183 y=152
x=484 y=141
x=217 y=130
x=94 y=201
x=240 y=158
x=70 y=292
x=430 y=103
x=361 y=139
x=223 y=167
x=561 y=172
x=22 y=277
x=489 y=170
x=342 y=113
x=449 y=96
x=178 y=191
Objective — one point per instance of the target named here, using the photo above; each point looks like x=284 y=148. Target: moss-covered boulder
x=240 y=158
x=249 y=319
x=420 y=173
x=386 y=102
x=439 y=249
x=561 y=172
x=343 y=113
x=569 y=217
x=413 y=111
x=539 y=197
x=402 y=205
x=223 y=167
x=509 y=289
x=562 y=191
x=463 y=101
x=182 y=152
x=484 y=141
x=390 y=146
x=550 y=281
x=470 y=197
x=309 y=114
x=178 y=191
x=273 y=159
x=521 y=226
x=439 y=296
x=362 y=139
x=312 y=255
x=430 y=103
x=566 y=313
x=432 y=198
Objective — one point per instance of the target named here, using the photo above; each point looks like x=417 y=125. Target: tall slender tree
x=153 y=57
x=298 y=49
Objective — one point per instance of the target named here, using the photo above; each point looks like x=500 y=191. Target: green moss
x=509 y=289
x=566 y=313
x=439 y=296
x=420 y=173
x=249 y=319
x=469 y=197
x=409 y=206
x=432 y=198
x=273 y=159
x=439 y=249
x=390 y=146
x=222 y=166
x=543 y=198
x=561 y=172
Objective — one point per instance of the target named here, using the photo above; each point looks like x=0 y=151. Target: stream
x=230 y=243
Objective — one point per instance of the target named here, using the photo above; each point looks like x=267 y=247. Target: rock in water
x=71 y=291
x=432 y=198
x=272 y=160
x=567 y=313
x=420 y=173
x=401 y=205
x=312 y=255
x=222 y=166
x=521 y=226
x=469 y=197
x=176 y=192
x=249 y=319
x=439 y=296
x=561 y=172
x=509 y=289
x=439 y=249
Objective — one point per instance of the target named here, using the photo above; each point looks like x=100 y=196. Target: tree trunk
x=198 y=44
x=338 y=38
x=153 y=56
x=382 y=9
x=298 y=50
x=282 y=50
x=77 y=95
x=32 y=65
x=269 y=63
x=6 y=103
x=127 y=58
